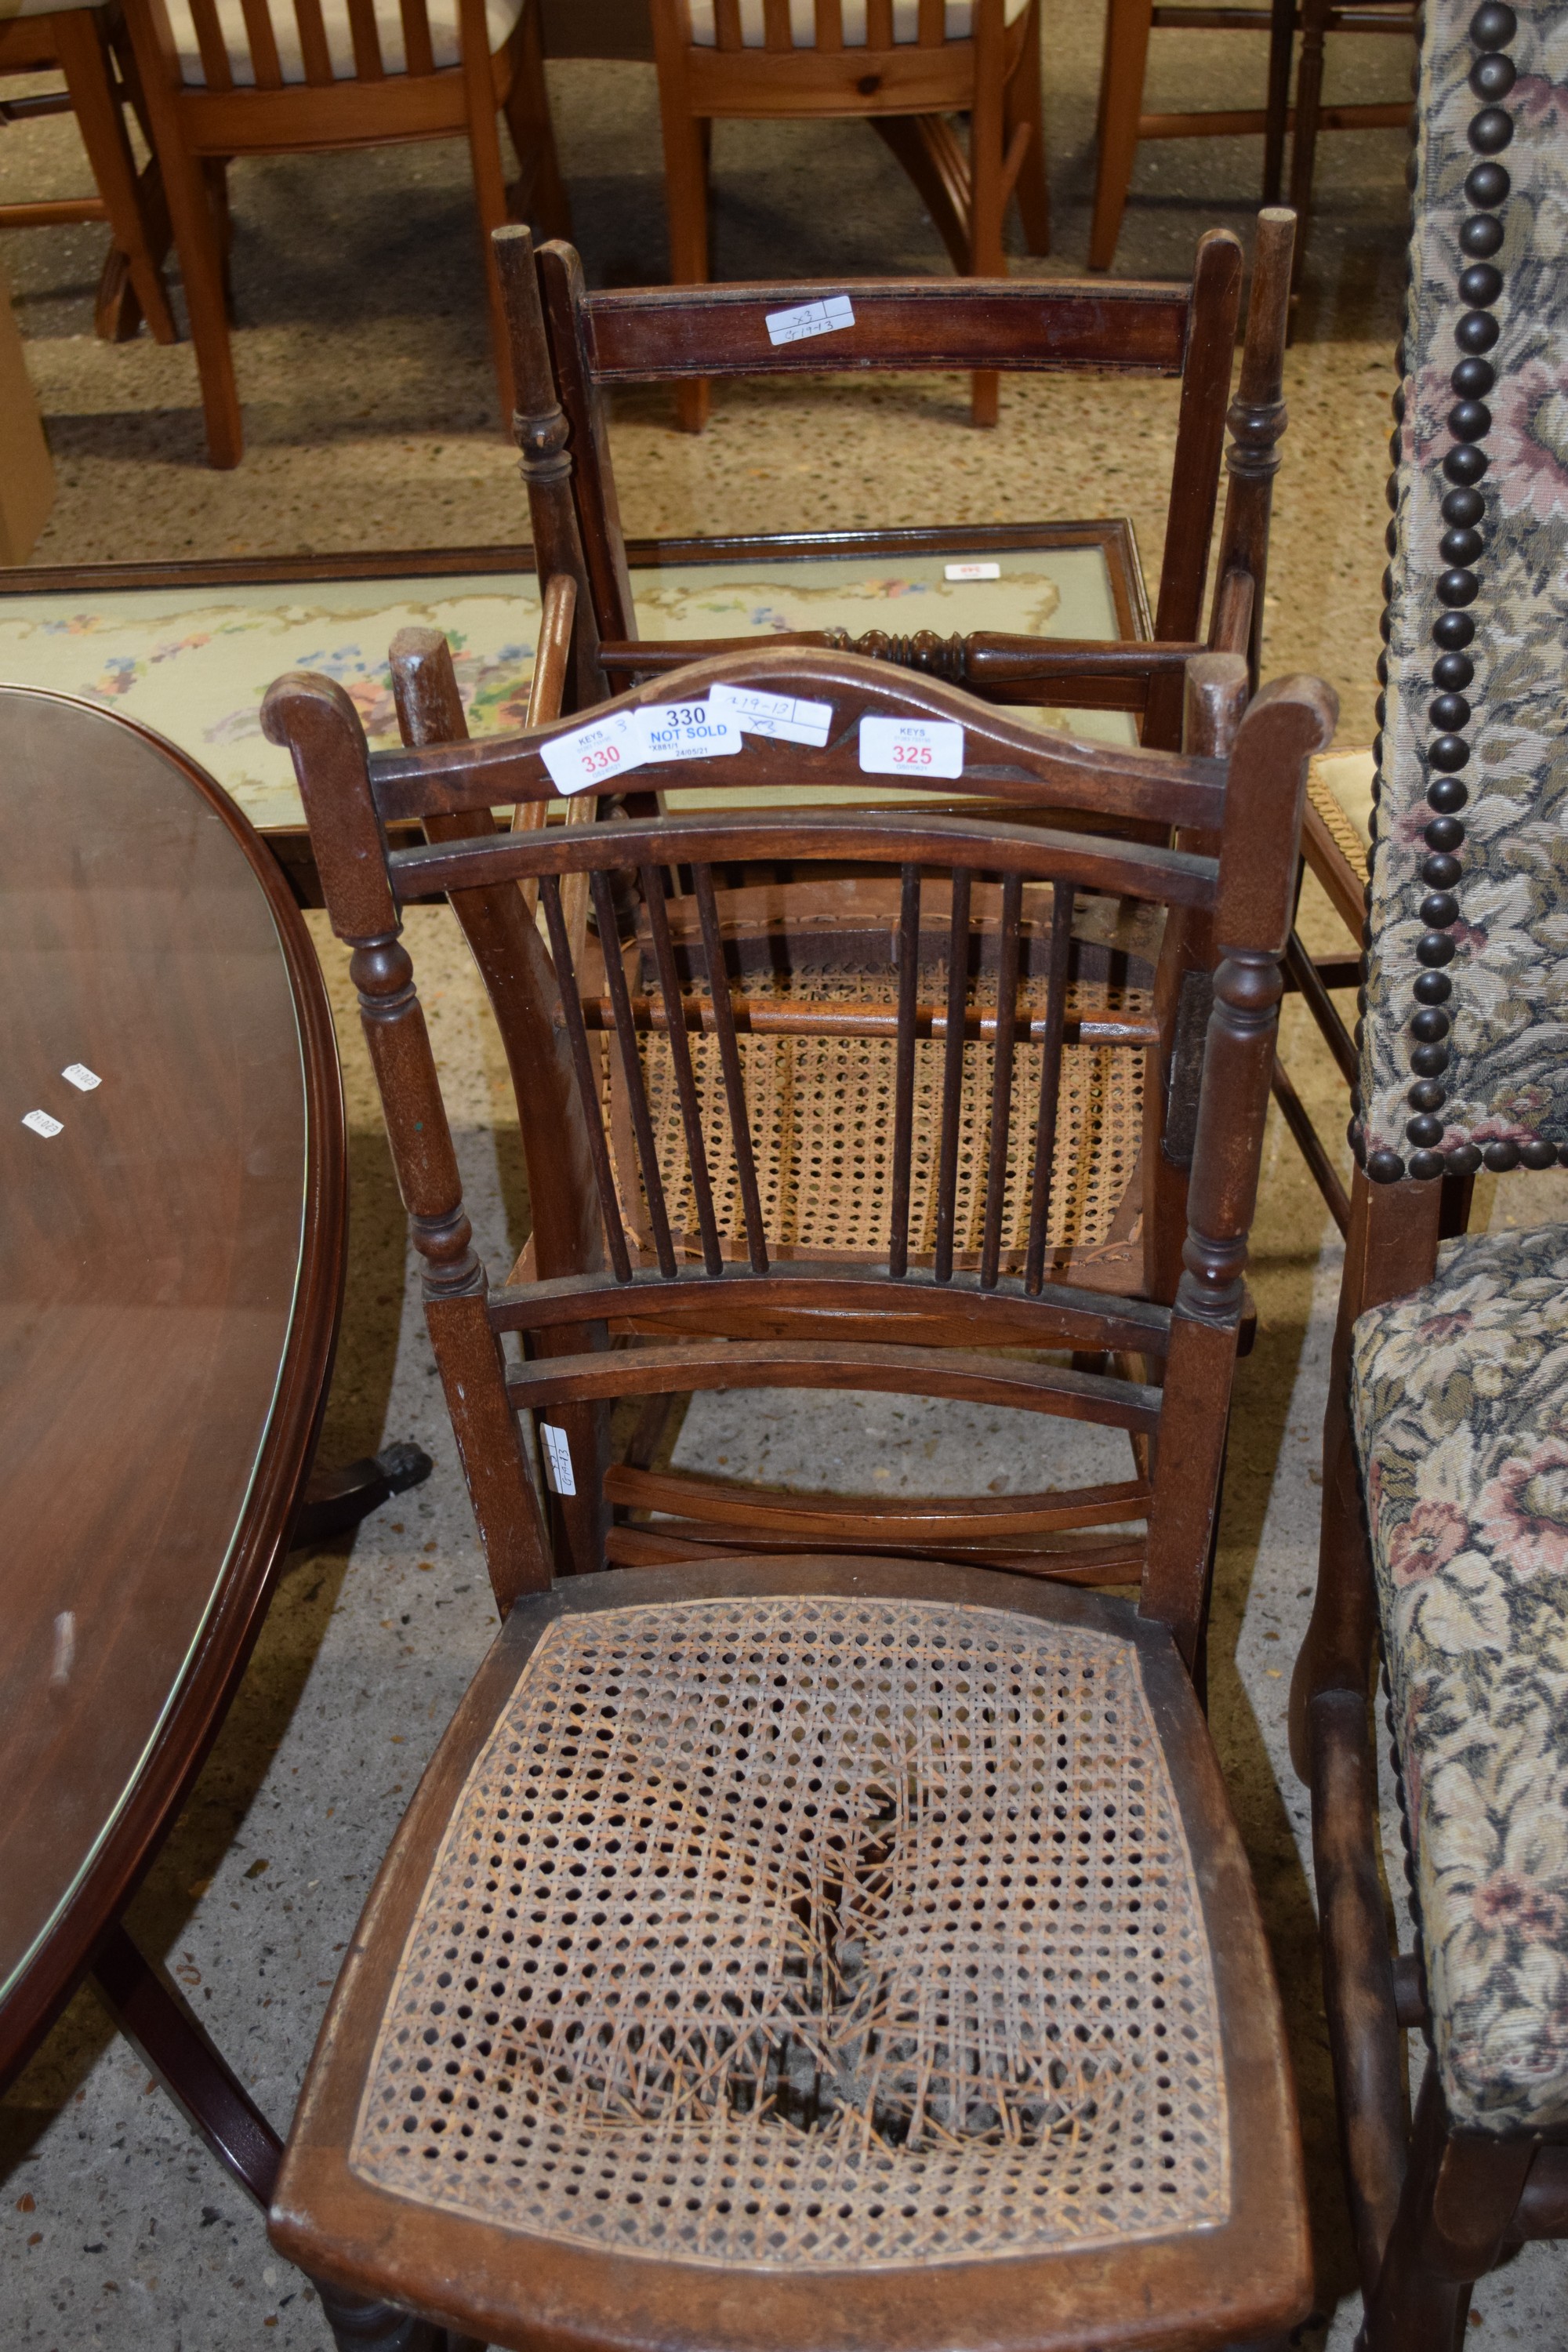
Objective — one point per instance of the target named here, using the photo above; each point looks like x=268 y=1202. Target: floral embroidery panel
x=1460 y=1399
x=1507 y=1078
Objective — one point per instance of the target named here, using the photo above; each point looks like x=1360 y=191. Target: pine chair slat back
x=660 y=962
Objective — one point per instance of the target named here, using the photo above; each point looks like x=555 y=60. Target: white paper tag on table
x=911 y=747
x=828 y=316
x=594 y=758
x=557 y=1459
x=780 y=716
x=41 y=1123
x=688 y=730
x=972 y=571
x=81 y=1077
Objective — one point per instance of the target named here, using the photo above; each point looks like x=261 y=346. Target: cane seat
x=818 y=1923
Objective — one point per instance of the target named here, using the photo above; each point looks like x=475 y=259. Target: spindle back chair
x=291 y=77
x=1135 y=2161
x=949 y=971
x=905 y=68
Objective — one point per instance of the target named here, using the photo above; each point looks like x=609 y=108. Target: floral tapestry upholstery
x=1466 y=1051
x=1459 y=1394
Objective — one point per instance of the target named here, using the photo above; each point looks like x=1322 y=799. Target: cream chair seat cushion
x=501 y=18
x=1459 y=1394
x=803 y=22
x=10 y=9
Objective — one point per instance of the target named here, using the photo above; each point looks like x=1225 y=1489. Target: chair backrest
x=781 y=26
x=568 y=346
x=953 y=956
x=272 y=45
x=1464 y=1051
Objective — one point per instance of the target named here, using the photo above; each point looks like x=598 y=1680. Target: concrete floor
x=368 y=408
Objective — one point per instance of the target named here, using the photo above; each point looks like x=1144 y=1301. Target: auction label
x=828 y=316
x=596 y=757
x=777 y=715
x=911 y=747
x=688 y=730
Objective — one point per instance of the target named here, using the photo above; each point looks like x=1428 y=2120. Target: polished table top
x=171 y=1256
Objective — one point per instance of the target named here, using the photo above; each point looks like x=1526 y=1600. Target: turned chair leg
x=1126 y=26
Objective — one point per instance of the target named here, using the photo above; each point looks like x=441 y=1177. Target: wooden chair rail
x=762 y=1017
x=739 y=838
x=676 y=1367
x=659 y=334
x=1065 y=1316
x=1085 y=673
x=901 y=1517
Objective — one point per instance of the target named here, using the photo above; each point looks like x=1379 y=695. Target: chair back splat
x=927 y=958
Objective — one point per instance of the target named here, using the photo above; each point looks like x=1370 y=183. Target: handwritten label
x=595 y=758
x=828 y=316
x=81 y=1077
x=777 y=715
x=972 y=571
x=557 y=1459
x=911 y=747
x=688 y=730
x=41 y=1123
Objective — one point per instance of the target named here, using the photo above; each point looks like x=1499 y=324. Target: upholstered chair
x=1446 y=1488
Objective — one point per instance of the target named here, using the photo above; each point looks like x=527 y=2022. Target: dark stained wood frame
x=1433 y=2208
x=1242 y=2280
x=283 y=1464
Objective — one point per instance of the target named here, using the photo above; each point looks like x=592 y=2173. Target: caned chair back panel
x=226 y=45
x=1465 y=1057
x=779 y=26
x=969 y=914
x=1062 y=326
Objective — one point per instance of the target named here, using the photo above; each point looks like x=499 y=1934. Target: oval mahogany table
x=172 y=1169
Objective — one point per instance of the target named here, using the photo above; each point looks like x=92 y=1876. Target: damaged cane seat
x=764 y=1940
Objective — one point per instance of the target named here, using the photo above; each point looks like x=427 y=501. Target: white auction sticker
x=688 y=730
x=557 y=1459
x=778 y=714
x=911 y=747
x=972 y=571
x=828 y=316
x=595 y=757
x=41 y=1123
x=81 y=1077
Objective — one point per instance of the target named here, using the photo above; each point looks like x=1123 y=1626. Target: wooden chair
x=906 y=66
x=91 y=49
x=1445 y=1538
x=319 y=74
x=570 y=346
x=731 y=2079
x=1122 y=123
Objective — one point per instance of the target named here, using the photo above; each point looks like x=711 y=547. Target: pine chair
x=91 y=47
x=1122 y=123
x=905 y=66
x=733 y=2080
x=1445 y=1539
x=295 y=76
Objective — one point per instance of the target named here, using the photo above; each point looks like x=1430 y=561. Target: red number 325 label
x=906 y=747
